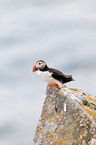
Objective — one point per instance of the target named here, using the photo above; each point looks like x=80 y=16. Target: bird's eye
x=39 y=63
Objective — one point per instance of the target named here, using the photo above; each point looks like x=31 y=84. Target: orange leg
x=54 y=85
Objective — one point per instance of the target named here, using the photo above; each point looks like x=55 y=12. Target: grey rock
x=68 y=118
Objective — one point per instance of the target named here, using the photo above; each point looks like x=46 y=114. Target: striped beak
x=34 y=68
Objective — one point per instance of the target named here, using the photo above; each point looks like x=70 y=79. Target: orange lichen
x=89 y=111
x=90 y=100
x=58 y=142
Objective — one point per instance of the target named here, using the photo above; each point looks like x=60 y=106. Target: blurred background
x=60 y=32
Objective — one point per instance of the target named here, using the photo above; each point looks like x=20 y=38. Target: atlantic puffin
x=52 y=76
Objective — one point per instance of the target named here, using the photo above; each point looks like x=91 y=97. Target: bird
x=53 y=76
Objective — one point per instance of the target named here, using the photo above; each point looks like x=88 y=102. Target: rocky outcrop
x=68 y=118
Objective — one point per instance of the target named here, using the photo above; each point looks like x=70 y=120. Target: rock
x=68 y=118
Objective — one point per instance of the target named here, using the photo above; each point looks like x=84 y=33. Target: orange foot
x=54 y=85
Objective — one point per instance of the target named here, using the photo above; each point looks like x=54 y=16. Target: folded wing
x=60 y=76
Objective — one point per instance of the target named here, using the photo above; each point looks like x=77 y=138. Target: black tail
x=68 y=78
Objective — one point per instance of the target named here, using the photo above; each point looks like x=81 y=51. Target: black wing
x=60 y=76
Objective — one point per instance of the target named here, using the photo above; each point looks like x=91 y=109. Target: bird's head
x=40 y=65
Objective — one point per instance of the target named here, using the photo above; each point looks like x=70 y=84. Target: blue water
x=63 y=33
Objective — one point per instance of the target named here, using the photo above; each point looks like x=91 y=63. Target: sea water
x=62 y=33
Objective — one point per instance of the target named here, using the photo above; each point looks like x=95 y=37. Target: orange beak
x=34 y=68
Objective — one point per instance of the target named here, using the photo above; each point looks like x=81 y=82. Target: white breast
x=47 y=76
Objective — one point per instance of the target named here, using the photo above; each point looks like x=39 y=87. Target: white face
x=40 y=64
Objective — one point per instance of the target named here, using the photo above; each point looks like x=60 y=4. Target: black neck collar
x=45 y=68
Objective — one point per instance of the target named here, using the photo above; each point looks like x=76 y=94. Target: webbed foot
x=54 y=85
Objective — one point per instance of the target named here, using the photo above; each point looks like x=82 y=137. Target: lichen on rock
x=68 y=118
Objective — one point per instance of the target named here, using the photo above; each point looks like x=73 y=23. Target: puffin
x=53 y=76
